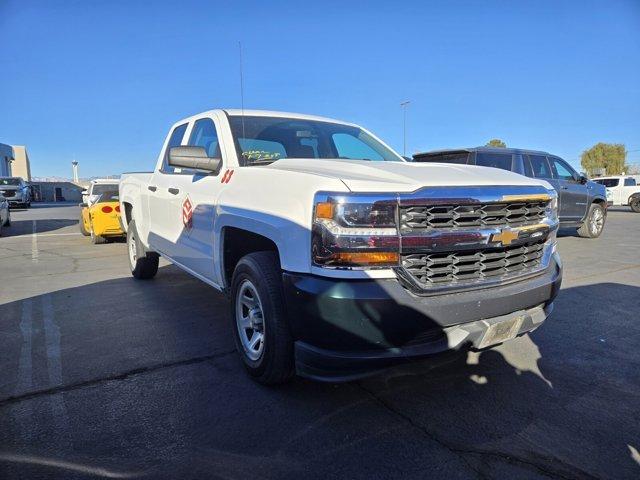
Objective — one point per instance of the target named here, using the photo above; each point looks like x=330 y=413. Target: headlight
x=552 y=207
x=354 y=231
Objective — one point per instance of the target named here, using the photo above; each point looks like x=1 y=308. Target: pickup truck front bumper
x=346 y=329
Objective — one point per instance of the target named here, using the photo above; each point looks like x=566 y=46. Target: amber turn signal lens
x=324 y=210
x=365 y=258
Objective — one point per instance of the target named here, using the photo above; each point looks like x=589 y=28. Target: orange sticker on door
x=226 y=178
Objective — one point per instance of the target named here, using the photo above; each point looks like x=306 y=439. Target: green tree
x=496 y=142
x=608 y=156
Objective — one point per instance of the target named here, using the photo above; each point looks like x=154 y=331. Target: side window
x=561 y=170
x=348 y=146
x=528 y=171
x=494 y=160
x=204 y=135
x=174 y=141
x=629 y=182
x=540 y=166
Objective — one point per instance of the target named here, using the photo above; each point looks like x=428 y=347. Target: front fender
x=292 y=239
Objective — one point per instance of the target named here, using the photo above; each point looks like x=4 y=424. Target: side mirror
x=583 y=179
x=193 y=157
x=85 y=192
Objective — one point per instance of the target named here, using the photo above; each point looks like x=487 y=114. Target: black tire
x=591 y=228
x=143 y=264
x=97 y=239
x=83 y=230
x=28 y=204
x=276 y=362
x=634 y=203
x=7 y=223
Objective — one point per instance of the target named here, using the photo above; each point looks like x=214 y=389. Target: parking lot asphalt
x=102 y=376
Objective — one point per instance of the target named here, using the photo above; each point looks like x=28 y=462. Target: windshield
x=263 y=140
x=9 y=181
x=607 y=182
x=99 y=188
x=109 y=196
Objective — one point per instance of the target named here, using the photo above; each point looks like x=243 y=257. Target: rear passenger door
x=574 y=195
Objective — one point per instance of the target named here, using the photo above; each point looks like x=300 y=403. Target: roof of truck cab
x=479 y=149
x=267 y=113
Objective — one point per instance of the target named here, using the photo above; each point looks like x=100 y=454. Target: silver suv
x=16 y=191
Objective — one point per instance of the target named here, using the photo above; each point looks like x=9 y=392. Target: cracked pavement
x=102 y=376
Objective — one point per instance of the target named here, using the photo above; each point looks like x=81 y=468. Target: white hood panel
x=366 y=176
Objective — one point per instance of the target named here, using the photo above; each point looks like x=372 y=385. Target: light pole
x=403 y=105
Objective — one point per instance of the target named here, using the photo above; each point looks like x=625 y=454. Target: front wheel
x=594 y=223
x=634 y=203
x=260 y=327
x=7 y=222
x=143 y=264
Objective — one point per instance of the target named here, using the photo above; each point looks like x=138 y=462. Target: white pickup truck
x=339 y=257
x=621 y=190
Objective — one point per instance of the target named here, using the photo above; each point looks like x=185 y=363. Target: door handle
x=564 y=187
x=153 y=188
x=174 y=191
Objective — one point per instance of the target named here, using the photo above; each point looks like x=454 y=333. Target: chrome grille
x=437 y=268
x=476 y=215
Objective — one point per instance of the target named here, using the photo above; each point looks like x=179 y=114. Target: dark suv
x=582 y=203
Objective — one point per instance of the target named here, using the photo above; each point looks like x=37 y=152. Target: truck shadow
x=25 y=227
x=148 y=371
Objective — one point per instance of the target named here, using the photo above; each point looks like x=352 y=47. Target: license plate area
x=499 y=331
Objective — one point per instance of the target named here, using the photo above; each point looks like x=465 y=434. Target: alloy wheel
x=250 y=320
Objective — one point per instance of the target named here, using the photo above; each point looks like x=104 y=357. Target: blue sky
x=103 y=81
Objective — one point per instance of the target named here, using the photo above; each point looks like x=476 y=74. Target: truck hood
x=9 y=188
x=366 y=176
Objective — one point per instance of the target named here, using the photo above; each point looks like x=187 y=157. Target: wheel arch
x=237 y=242
x=633 y=196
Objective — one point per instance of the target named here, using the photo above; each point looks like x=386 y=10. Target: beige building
x=20 y=166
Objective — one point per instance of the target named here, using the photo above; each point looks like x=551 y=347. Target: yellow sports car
x=101 y=219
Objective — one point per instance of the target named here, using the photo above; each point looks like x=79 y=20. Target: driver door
x=574 y=195
x=193 y=206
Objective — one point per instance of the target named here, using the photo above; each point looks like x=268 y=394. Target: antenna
x=241 y=89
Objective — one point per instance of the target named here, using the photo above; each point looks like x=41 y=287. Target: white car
x=5 y=214
x=96 y=188
x=339 y=257
x=621 y=190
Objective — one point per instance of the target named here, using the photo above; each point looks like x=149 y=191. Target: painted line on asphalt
x=34 y=243
x=94 y=471
x=54 y=364
x=24 y=422
x=58 y=234
x=45 y=235
x=25 y=371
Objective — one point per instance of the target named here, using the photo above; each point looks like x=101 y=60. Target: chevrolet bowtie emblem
x=505 y=236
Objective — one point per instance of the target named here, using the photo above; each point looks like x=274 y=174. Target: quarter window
x=629 y=182
x=174 y=141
